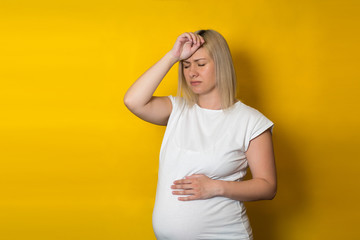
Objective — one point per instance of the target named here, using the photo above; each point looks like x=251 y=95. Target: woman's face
x=199 y=72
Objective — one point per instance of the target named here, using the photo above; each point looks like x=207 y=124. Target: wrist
x=171 y=58
x=219 y=188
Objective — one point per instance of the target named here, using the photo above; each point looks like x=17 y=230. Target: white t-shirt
x=210 y=142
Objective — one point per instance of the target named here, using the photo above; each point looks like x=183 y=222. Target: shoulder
x=174 y=99
x=252 y=118
x=245 y=111
x=177 y=102
x=178 y=105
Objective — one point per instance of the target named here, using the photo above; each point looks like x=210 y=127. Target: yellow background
x=76 y=164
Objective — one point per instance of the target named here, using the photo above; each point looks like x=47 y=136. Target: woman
x=210 y=140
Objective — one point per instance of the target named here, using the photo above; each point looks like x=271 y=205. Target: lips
x=195 y=83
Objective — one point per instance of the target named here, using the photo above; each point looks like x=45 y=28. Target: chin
x=197 y=92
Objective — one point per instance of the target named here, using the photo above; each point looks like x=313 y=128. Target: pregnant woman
x=211 y=139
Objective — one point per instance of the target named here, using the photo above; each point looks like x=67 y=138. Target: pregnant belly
x=215 y=218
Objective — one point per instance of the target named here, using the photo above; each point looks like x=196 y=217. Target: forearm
x=140 y=93
x=249 y=190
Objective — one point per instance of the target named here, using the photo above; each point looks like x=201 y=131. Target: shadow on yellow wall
x=266 y=216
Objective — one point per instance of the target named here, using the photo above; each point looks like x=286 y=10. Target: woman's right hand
x=185 y=46
x=140 y=97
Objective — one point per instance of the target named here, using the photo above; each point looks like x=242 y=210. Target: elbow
x=272 y=196
x=128 y=102
x=272 y=193
x=133 y=103
x=269 y=190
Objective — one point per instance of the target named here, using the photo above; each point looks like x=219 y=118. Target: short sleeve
x=258 y=124
x=177 y=106
x=174 y=103
x=172 y=99
x=177 y=102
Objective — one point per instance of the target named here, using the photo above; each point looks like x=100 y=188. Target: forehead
x=200 y=53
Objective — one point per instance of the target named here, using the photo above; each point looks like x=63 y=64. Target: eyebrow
x=195 y=60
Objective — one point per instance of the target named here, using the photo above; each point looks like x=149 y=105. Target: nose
x=192 y=72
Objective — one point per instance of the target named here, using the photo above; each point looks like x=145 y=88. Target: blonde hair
x=219 y=51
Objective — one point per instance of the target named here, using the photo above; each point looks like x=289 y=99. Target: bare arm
x=139 y=98
x=262 y=186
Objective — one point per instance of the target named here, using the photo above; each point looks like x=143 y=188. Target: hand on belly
x=196 y=186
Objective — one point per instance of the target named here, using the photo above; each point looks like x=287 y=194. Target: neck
x=210 y=101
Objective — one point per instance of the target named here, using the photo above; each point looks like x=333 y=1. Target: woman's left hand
x=197 y=186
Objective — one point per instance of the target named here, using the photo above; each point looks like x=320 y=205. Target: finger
x=182 y=186
x=193 y=37
x=182 y=181
x=188 y=198
x=183 y=192
x=202 y=40
x=198 y=39
x=183 y=38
